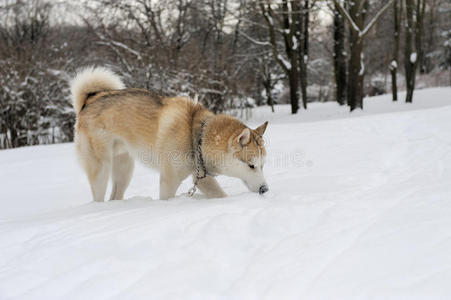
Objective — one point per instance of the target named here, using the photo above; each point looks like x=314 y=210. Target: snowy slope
x=359 y=208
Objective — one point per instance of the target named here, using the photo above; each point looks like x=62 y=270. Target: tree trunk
x=291 y=54
x=291 y=68
x=394 y=63
x=394 y=87
x=339 y=57
x=301 y=34
x=271 y=101
x=306 y=26
x=294 y=95
x=304 y=57
x=267 y=83
x=427 y=64
x=413 y=43
x=356 y=69
x=420 y=8
x=303 y=81
x=294 y=82
x=409 y=56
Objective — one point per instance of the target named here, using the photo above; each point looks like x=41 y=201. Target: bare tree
x=291 y=22
x=301 y=20
x=355 y=17
x=255 y=32
x=413 y=41
x=269 y=78
x=397 y=12
x=339 y=54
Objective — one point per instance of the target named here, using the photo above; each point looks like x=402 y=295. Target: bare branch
x=260 y=43
x=112 y=42
x=374 y=20
x=272 y=37
x=362 y=32
x=345 y=13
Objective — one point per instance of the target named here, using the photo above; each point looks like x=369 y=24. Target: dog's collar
x=200 y=168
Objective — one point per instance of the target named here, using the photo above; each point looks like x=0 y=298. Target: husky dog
x=177 y=136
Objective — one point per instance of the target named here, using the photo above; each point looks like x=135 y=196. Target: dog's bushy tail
x=92 y=80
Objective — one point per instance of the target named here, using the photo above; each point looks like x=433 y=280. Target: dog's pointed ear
x=261 y=129
x=245 y=137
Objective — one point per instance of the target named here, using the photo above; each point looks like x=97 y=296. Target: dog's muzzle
x=263 y=189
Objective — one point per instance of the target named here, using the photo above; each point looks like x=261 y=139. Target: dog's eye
x=251 y=166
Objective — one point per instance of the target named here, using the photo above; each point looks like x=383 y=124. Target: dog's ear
x=245 y=137
x=261 y=129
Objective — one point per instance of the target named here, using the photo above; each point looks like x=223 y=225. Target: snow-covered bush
x=34 y=98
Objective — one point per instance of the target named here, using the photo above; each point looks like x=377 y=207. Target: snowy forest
x=229 y=54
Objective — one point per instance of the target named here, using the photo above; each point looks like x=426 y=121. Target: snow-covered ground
x=359 y=207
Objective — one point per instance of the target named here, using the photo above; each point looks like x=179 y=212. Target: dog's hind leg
x=98 y=180
x=123 y=165
x=96 y=160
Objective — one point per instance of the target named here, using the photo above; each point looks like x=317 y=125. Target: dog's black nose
x=263 y=189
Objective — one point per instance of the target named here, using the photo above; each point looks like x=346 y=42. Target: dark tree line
x=360 y=16
x=290 y=20
x=229 y=54
x=33 y=98
x=355 y=13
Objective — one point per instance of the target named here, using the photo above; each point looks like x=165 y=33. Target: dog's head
x=246 y=157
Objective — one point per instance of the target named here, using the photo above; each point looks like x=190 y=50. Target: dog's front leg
x=210 y=187
x=168 y=186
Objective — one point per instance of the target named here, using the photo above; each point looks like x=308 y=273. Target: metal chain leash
x=200 y=161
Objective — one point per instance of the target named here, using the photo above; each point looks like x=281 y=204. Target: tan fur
x=116 y=126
